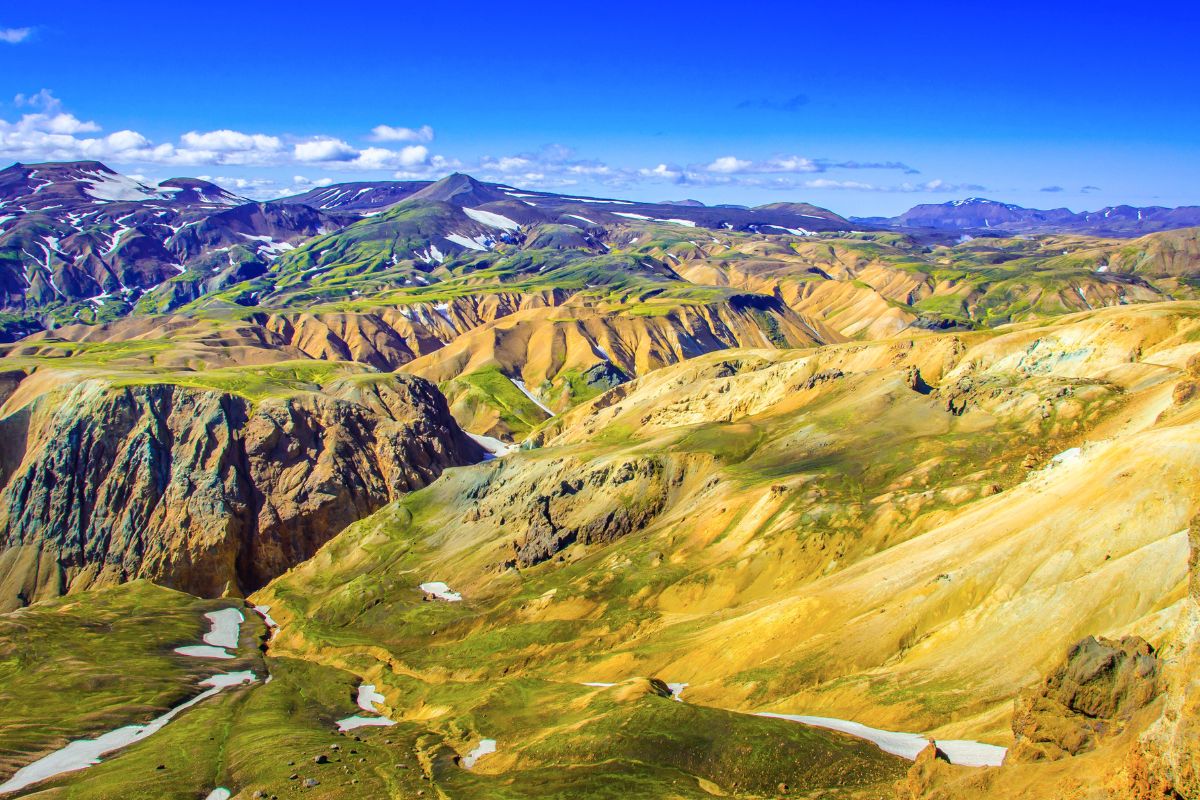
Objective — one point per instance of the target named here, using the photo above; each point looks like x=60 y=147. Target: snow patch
x=1067 y=456
x=368 y=697
x=83 y=753
x=265 y=613
x=792 y=231
x=224 y=627
x=600 y=202
x=672 y=221
x=906 y=745
x=443 y=310
x=114 y=188
x=441 y=591
x=350 y=723
x=272 y=248
x=463 y=241
x=204 y=651
x=492 y=220
x=482 y=749
x=494 y=447
x=521 y=385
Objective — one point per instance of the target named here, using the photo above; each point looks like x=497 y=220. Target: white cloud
x=324 y=149
x=933 y=186
x=227 y=141
x=505 y=164
x=43 y=99
x=826 y=183
x=381 y=158
x=14 y=35
x=412 y=155
x=47 y=132
x=300 y=180
x=661 y=171
x=386 y=133
x=242 y=184
x=729 y=164
x=791 y=164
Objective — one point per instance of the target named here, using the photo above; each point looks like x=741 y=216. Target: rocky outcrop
x=930 y=767
x=1089 y=698
x=548 y=533
x=205 y=491
x=1165 y=761
x=551 y=505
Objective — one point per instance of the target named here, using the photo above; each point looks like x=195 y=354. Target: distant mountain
x=530 y=206
x=81 y=242
x=35 y=187
x=983 y=215
x=357 y=197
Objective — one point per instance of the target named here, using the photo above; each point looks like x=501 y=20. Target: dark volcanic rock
x=1089 y=697
x=204 y=491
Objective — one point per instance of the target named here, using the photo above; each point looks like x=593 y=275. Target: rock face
x=1165 y=762
x=565 y=501
x=930 y=766
x=204 y=491
x=1088 y=698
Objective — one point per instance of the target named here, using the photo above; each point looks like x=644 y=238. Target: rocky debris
x=1165 y=760
x=914 y=381
x=958 y=396
x=604 y=376
x=555 y=522
x=819 y=378
x=930 y=768
x=545 y=506
x=201 y=490
x=1087 y=699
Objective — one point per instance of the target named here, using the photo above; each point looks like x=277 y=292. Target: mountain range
x=80 y=242
x=455 y=489
x=989 y=217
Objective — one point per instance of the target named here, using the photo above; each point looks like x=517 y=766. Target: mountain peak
x=459 y=189
x=62 y=167
x=195 y=190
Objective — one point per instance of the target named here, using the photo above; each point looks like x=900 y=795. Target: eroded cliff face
x=202 y=490
x=1165 y=761
x=1114 y=721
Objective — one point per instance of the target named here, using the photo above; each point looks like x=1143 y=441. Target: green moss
x=490 y=387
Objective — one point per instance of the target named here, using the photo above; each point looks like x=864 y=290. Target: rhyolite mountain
x=81 y=243
x=963 y=535
x=977 y=214
x=79 y=235
x=523 y=495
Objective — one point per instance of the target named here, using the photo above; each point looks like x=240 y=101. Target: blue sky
x=865 y=108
